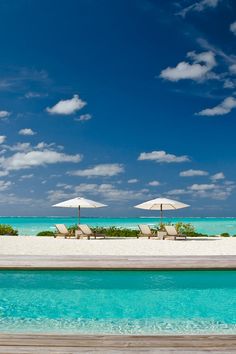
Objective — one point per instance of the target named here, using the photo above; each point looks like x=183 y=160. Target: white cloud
x=66 y=107
x=84 y=117
x=24 y=160
x=105 y=191
x=223 y=108
x=210 y=190
x=198 y=70
x=26 y=176
x=4 y=185
x=26 y=156
x=218 y=176
x=228 y=84
x=191 y=173
x=32 y=94
x=201 y=187
x=109 y=169
x=154 y=183
x=19 y=147
x=4 y=114
x=199 y=6
x=2 y=138
x=178 y=192
x=233 y=28
x=232 y=69
x=162 y=156
x=133 y=180
x=26 y=131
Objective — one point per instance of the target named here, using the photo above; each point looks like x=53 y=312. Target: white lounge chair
x=145 y=231
x=63 y=231
x=86 y=231
x=173 y=233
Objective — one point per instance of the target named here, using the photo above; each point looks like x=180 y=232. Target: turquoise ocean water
x=32 y=225
x=128 y=302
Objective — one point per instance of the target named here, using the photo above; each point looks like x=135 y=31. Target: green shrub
x=46 y=233
x=225 y=234
x=110 y=231
x=115 y=231
x=188 y=230
x=8 y=230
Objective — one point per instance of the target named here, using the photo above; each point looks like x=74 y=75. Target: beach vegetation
x=187 y=229
x=8 y=230
x=225 y=234
x=46 y=233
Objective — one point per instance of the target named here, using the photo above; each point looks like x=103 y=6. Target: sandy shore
x=49 y=246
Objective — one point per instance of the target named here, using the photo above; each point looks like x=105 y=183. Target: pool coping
x=38 y=262
x=47 y=342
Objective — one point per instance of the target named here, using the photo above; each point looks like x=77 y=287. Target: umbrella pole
x=161 y=216
x=79 y=213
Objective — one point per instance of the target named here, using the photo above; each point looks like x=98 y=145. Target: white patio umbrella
x=161 y=204
x=79 y=203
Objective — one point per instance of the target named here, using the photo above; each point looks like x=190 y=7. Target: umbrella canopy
x=79 y=203
x=161 y=204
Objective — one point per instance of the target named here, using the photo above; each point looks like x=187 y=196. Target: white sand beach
x=27 y=245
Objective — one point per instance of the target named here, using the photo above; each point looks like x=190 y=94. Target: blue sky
x=118 y=101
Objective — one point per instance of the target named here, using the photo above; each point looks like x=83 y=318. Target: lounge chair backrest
x=145 y=229
x=171 y=230
x=62 y=228
x=85 y=229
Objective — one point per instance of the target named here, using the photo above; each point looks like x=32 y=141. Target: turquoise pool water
x=32 y=225
x=128 y=302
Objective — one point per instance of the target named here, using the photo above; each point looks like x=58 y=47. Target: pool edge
x=108 y=342
x=117 y=262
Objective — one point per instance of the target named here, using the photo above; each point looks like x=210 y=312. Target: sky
x=117 y=101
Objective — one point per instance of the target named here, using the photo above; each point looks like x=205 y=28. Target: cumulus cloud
x=84 y=117
x=4 y=114
x=201 y=187
x=107 y=169
x=24 y=160
x=198 y=70
x=199 y=6
x=26 y=131
x=67 y=107
x=27 y=176
x=26 y=156
x=218 y=176
x=223 y=108
x=133 y=180
x=105 y=191
x=4 y=185
x=154 y=183
x=233 y=28
x=192 y=173
x=211 y=190
x=2 y=139
x=162 y=156
x=232 y=69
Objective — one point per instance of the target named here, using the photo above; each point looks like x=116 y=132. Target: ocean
x=30 y=226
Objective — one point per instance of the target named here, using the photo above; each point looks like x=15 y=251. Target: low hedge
x=46 y=233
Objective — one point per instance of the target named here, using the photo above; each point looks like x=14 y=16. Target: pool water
x=118 y=302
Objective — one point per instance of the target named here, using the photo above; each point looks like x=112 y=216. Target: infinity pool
x=118 y=302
